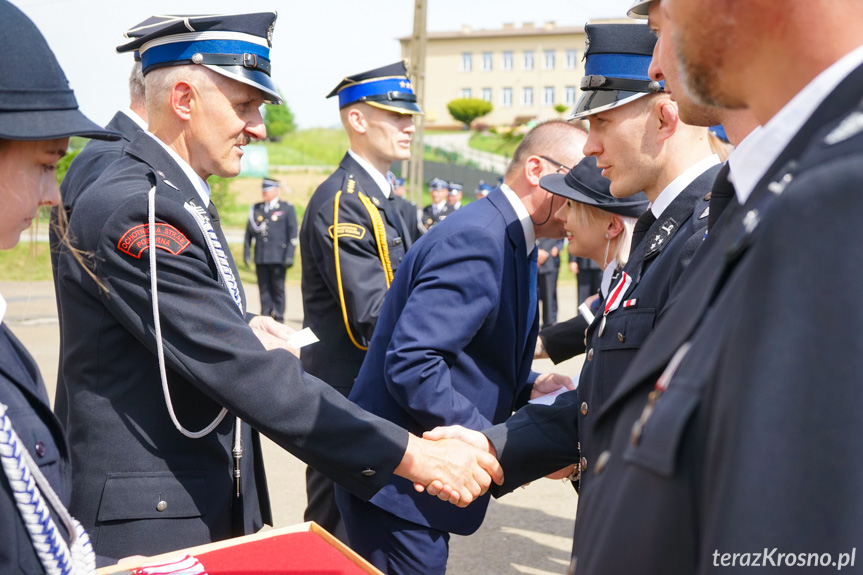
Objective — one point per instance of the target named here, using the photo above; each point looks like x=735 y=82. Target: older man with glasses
x=454 y=344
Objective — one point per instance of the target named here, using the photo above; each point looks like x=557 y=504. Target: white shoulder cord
x=29 y=488
x=151 y=213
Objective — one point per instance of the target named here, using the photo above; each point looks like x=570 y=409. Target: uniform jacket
x=87 y=166
x=274 y=233
x=410 y=216
x=429 y=218
x=551 y=264
x=349 y=296
x=24 y=394
x=653 y=266
x=452 y=344
x=771 y=379
x=126 y=452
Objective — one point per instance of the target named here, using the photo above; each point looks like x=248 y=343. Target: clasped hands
x=462 y=461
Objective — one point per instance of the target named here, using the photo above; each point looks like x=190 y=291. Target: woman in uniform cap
x=599 y=227
x=38 y=113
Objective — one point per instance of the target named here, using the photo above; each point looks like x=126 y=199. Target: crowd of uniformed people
x=715 y=422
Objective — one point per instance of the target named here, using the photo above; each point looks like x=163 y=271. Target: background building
x=523 y=71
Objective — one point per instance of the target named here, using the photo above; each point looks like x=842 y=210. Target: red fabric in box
x=291 y=553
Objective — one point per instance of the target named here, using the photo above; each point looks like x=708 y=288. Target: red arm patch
x=137 y=239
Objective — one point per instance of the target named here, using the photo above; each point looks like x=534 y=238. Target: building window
x=465 y=93
x=549 y=59
x=506 y=97
x=548 y=96
x=570 y=95
x=466 y=61
x=486 y=94
x=528 y=60
x=507 y=61
x=527 y=96
x=571 y=59
x=486 y=61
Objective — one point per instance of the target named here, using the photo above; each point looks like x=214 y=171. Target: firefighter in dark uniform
x=439 y=209
x=407 y=208
x=352 y=241
x=166 y=375
x=273 y=228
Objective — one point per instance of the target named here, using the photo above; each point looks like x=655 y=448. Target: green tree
x=466 y=110
x=561 y=108
x=279 y=121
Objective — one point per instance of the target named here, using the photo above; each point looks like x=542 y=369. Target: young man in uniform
x=273 y=227
x=352 y=241
x=454 y=345
x=439 y=208
x=164 y=372
x=752 y=369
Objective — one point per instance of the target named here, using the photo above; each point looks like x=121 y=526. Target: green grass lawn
x=312 y=147
x=31 y=261
x=488 y=142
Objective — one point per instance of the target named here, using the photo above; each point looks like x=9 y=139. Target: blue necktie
x=531 y=290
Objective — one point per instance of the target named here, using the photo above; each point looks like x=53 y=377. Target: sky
x=315 y=43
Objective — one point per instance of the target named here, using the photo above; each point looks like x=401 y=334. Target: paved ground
x=528 y=531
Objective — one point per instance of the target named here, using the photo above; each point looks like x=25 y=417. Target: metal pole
x=418 y=72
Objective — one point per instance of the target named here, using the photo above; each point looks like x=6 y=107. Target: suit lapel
x=721 y=253
x=515 y=236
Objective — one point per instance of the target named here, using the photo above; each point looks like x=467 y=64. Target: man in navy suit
x=735 y=436
x=454 y=344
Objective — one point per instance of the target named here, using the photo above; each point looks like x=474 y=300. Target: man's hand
x=540 y=352
x=548 y=382
x=451 y=469
x=541 y=256
x=272 y=334
x=573 y=267
x=563 y=473
x=469 y=436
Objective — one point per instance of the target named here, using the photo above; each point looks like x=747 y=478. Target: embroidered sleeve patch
x=352 y=231
x=137 y=239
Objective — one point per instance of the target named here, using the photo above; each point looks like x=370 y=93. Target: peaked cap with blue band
x=236 y=46
x=438 y=184
x=388 y=88
x=615 y=72
x=585 y=184
x=639 y=9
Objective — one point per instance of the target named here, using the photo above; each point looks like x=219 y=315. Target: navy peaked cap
x=639 y=9
x=585 y=184
x=388 y=88
x=269 y=184
x=438 y=184
x=236 y=46
x=36 y=102
x=617 y=58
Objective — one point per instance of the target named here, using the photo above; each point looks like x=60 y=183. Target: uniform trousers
x=271 y=283
x=546 y=284
x=393 y=545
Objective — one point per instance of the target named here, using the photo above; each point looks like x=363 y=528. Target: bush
x=279 y=121
x=466 y=110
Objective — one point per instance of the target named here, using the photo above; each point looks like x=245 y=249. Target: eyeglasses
x=560 y=166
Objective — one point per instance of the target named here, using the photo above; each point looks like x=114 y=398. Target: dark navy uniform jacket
x=344 y=289
x=23 y=393
x=127 y=454
x=655 y=265
x=429 y=218
x=754 y=446
x=274 y=242
x=452 y=345
x=87 y=166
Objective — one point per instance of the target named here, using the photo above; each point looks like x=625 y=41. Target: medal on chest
x=615 y=298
